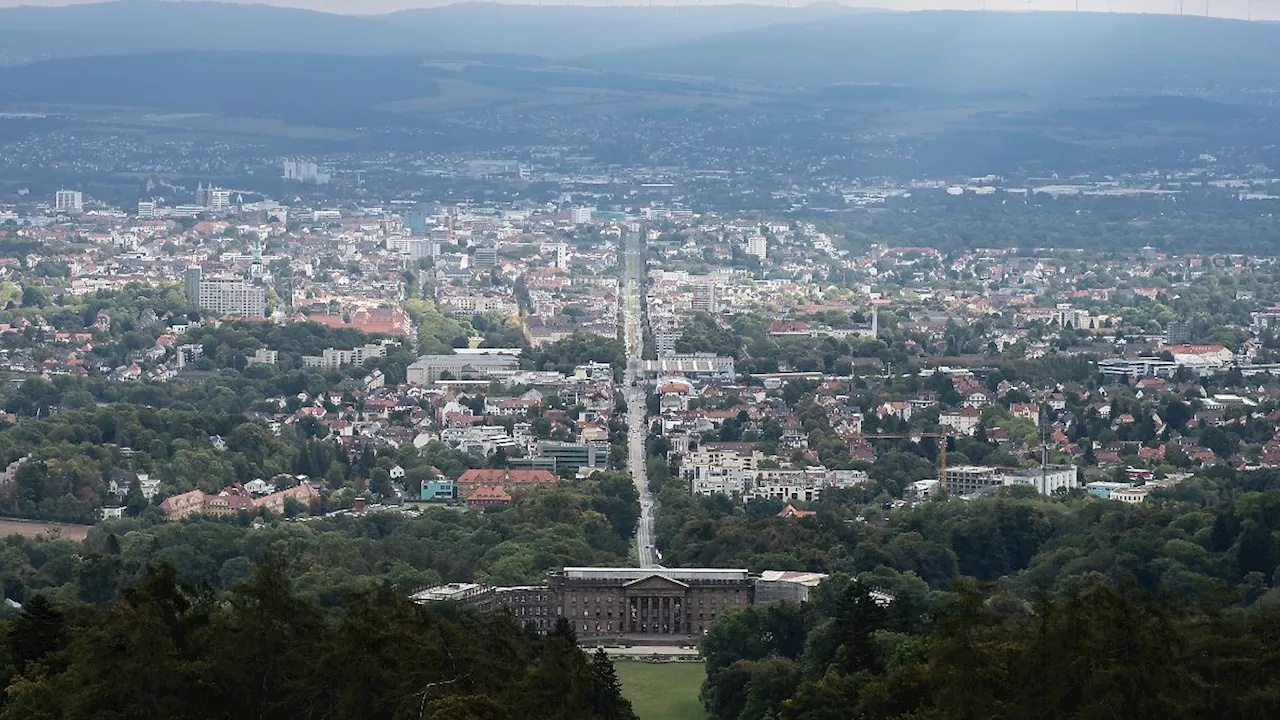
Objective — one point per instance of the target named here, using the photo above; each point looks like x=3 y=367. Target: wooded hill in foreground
x=1108 y=652
x=166 y=650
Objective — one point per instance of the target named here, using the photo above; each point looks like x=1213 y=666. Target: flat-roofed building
x=786 y=586
x=430 y=368
x=474 y=594
x=973 y=479
x=691 y=365
x=231 y=296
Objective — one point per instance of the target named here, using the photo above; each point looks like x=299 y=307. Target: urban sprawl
x=763 y=360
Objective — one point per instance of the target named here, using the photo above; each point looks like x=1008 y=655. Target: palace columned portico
x=656 y=605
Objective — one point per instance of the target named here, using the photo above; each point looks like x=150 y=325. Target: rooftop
x=598 y=573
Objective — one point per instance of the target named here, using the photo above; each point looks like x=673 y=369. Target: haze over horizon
x=1227 y=9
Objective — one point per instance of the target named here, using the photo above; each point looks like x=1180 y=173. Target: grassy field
x=663 y=691
x=35 y=528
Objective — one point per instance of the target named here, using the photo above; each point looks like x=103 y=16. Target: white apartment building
x=263 y=356
x=965 y=420
x=68 y=201
x=232 y=296
x=219 y=199
x=715 y=471
x=806 y=485
x=478 y=440
x=784 y=492
x=758 y=246
x=333 y=358
x=704 y=298
x=473 y=304
x=304 y=171
x=733 y=473
x=972 y=479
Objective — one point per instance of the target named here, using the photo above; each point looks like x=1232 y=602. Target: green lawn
x=663 y=691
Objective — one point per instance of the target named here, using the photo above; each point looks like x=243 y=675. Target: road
x=634 y=393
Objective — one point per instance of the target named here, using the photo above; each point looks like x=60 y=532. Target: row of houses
x=233 y=499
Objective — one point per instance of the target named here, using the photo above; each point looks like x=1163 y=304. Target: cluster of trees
x=588 y=522
x=438 y=334
x=260 y=388
x=77 y=312
x=229 y=345
x=170 y=649
x=1106 y=651
x=564 y=355
x=72 y=456
x=746 y=338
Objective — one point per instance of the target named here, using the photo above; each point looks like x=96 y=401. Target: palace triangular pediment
x=656 y=582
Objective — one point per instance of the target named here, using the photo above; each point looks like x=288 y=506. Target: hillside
x=1089 y=53
x=324 y=89
x=329 y=90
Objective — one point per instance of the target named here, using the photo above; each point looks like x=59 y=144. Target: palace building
x=659 y=601
x=662 y=604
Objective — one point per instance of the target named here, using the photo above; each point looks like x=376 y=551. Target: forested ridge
x=167 y=649
x=1108 y=651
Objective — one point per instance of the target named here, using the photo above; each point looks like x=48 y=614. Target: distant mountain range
x=1091 y=54
x=140 y=26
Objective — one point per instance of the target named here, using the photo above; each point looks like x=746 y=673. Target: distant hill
x=139 y=26
x=308 y=88
x=562 y=31
x=325 y=89
x=1090 y=53
x=132 y=26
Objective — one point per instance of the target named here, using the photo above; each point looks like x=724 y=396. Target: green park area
x=663 y=691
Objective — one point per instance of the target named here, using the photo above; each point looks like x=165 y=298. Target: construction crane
x=942 y=434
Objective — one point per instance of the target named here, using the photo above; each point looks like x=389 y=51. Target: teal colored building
x=1103 y=489
x=439 y=490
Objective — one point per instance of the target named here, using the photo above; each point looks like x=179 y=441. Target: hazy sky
x=1262 y=9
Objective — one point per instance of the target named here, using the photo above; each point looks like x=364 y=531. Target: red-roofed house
x=487 y=496
x=1026 y=411
x=303 y=493
x=509 y=480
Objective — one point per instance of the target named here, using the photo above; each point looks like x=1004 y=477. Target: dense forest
x=169 y=649
x=1107 y=651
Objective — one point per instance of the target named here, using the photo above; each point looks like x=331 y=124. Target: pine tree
x=37 y=631
x=607 y=701
x=564 y=629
